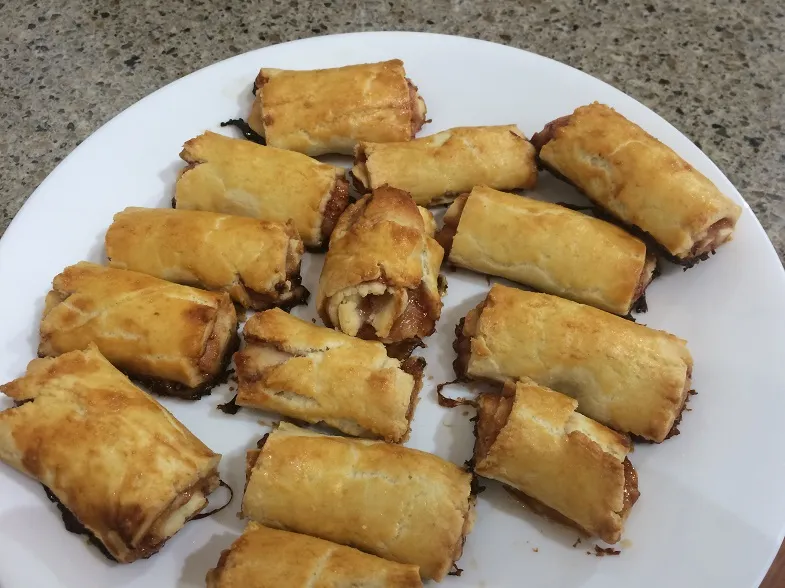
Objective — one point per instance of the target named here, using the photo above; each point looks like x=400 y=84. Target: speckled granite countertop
x=715 y=69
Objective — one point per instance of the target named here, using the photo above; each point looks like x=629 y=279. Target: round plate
x=712 y=506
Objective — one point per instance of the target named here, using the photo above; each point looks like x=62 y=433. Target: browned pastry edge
x=414 y=366
x=417 y=120
x=336 y=204
x=299 y=293
x=695 y=256
x=177 y=390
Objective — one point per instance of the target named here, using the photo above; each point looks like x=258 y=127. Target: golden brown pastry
x=129 y=472
x=627 y=376
x=330 y=110
x=177 y=339
x=235 y=176
x=547 y=246
x=314 y=374
x=256 y=262
x=398 y=503
x=436 y=169
x=531 y=439
x=270 y=558
x=379 y=279
x=641 y=181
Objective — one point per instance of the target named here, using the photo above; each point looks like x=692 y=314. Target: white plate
x=712 y=506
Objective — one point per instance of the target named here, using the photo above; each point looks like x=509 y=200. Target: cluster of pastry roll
x=575 y=379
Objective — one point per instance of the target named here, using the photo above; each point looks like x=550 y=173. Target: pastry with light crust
x=315 y=374
x=239 y=177
x=627 y=376
x=330 y=110
x=129 y=472
x=547 y=246
x=175 y=338
x=639 y=180
x=437 y=168
x=379 y=279
x=531 y=439
x=401 y=504
x=271 y=558
x=256 y=262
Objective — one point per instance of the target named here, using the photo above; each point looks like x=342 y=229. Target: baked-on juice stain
x=230 y=407
x=246 y=130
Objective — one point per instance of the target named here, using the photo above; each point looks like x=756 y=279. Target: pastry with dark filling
x=548 y=247
x=639 y=180
x=330 y=110
x=315 y=374
x=256 y=262
x=531 y=439
x=175 y=338
x=437 y=168
x=626 y=376
x=271 y=558
x=238 y=177
x=398 y=503
x=379 y=279
x=123 y=466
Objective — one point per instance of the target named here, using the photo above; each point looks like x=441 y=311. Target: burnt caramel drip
x=245 y=129
x=73 y=525
x=230 y=407
x=202 y=515
x=447 y=402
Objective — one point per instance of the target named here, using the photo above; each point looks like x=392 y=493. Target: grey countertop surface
x=715 y=69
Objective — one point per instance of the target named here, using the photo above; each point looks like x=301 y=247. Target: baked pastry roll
x=235 y=176
x=314 y=374
x=627 y=376
x=639 y=180
x=176 y=339
x=330 y=110
x=588 y=260
x=379 y=279
x=129 y=472
x=270 y=558
x=531 y=439
x=256 y=262
x=436 y=169
x=398 y=503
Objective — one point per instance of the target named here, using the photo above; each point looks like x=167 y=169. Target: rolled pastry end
x=541 y=138
x=464 y=331
x=289 y=292
x=334 y=206
x=647 y=275
x=452 y=219
x=418 y=108
x=212 y=365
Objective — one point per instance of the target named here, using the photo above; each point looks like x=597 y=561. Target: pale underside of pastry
x=239 y=177
x=256 y=262
x=530 y=438
x=271 y=558
x=548 y=247
x=626 y=376
x=398 y=503
x=437 y=168
x=639 y=180
x=380 y=275
x=316 y=374
x=129 y=472
x=330 y=110
x=175 y=338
